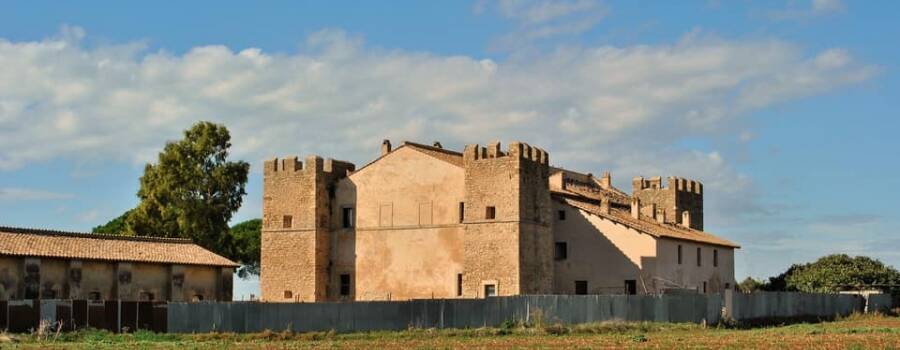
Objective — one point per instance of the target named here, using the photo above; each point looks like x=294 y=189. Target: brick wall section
x=515 y=248
x=296 y=258
x=679 y=196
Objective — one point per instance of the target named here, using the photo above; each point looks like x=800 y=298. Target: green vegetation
x=246 y=240
x=831 y=273
x=857 y=331
x=191 y=192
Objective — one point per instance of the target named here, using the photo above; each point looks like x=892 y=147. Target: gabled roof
x=644 y=224
x=89 y=246
x=448 y=156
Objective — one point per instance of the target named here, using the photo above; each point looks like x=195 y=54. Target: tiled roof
x=89 y=246
x=644 y=224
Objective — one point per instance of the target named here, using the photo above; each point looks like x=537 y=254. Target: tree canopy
x=192 y=191
x=115 y=226
x=837 y=272
x=246 y=238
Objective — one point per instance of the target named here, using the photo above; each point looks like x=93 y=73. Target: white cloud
x=619 y=107
x=542 y=19
x=25 y=194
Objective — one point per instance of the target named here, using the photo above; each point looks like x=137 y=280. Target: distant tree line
x=831 y=273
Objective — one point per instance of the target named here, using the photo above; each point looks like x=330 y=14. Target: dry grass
x=858 y=331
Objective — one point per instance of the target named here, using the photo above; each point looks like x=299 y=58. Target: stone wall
x=105 y=280
x=681 y=195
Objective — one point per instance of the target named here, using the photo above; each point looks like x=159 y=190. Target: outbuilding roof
x=90 y=246
x=644 y=224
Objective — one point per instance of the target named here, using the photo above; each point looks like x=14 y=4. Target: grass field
x=854 y=332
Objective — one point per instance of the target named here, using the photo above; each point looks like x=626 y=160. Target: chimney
x=604 y=206
x=686 y=219
x=606 y=181
x=385 y=147
x=635 y=208
x=437 y=144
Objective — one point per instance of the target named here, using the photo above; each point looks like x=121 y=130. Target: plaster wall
x=688 y=274
x=601 y=252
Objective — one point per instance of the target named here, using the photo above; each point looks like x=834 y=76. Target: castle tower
x=680 y=196
x=508 y=243
x=295 y=227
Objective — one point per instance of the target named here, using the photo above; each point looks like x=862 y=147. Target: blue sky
x=785 y=110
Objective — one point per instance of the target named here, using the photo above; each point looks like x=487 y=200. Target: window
x=630 y=287
x=727 y=285
x=95 y=296
x=288 y=221
x=197 y=298
x=561 y=252
x=699 y=257
x=715 y=258
x=562 y=215
x=462 y=212
x=704 y=287
x=348 y=217
x=490 y=290
x=581 y=288
x=679 y=254
x=459 y=284
x=490 y=213
x=146 y=296
x=288 y=294
x=345 y=284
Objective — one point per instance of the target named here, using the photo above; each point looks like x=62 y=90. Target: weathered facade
x=425 y=222
x=40 y=264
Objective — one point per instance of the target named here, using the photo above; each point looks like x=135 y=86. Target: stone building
x=40 y=264
x=426 y=222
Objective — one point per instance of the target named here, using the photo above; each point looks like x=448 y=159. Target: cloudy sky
x=786 y=111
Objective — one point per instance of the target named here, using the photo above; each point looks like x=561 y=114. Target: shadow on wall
x=594 y=258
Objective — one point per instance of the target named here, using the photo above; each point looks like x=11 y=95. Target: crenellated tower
x=295 y=228
x=680 y=202
x=508 y=242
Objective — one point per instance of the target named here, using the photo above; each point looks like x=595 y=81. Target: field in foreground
x=855 y=332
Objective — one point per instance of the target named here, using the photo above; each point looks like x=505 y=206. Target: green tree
x=246 y=238
x=115 y=226
x=749 y=285
x=192 y=191
x=838 y=272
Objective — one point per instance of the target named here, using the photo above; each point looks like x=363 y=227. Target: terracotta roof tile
x=645 y=224
x=89 y=246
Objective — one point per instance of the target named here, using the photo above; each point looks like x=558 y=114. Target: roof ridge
x=88 y=235
x=432 y=148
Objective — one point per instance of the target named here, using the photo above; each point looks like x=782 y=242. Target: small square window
x=95 y=296
x=562 y=215
x=347 y=217
x=490 y=213
x=631 y=287
x=288 y=221
x=581 y=288
x=490 y=290
x=562 y=251
x=345 y=284
x=288 y=294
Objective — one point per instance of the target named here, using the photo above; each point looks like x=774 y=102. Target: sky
x=785 y=110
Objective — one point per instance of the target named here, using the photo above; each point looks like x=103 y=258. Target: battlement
x=677 y=184
x=312 y=164
x=520 y=150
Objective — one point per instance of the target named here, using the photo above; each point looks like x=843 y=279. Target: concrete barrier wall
x=467 y=313
x=767 y=305
x=879 y=303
